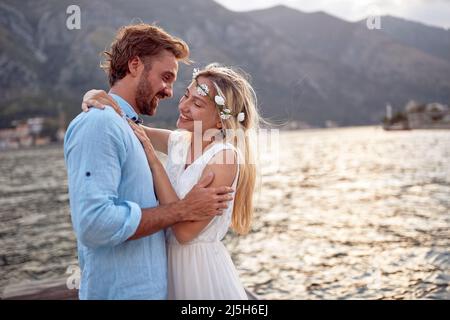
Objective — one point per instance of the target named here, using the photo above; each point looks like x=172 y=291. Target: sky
x=430 y=12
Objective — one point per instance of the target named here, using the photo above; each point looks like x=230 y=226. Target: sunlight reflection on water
x=348 y=213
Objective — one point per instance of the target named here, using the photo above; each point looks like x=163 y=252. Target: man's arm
x=95 y=149
x=201 y=204
x=219 y=177
x=156 y=219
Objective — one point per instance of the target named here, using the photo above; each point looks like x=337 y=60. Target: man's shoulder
x=106 y=116
x=104 y=120
x=97 y=122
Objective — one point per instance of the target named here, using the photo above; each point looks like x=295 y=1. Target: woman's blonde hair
x=240 y=97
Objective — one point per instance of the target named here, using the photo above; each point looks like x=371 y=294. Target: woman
x=223 y=102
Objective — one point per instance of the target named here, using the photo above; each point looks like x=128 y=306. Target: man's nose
x=168 y=91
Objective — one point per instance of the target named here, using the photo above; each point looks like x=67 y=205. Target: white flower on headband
x=219 y=100
x=195 y=73
x=241 y=117
x=202 y=89
x=225 y=113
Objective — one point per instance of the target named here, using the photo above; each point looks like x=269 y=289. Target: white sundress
x=201 y=269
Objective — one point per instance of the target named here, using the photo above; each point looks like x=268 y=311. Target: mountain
x=375 y=67
x=309 y=67
x=432 y=40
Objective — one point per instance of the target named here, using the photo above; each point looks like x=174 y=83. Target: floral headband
x=219 y=100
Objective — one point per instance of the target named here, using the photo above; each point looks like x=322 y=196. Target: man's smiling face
x=156 y=82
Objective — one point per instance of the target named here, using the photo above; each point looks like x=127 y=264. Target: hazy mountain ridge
x=309 y=67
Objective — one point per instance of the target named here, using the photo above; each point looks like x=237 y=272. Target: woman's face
x=195 y=107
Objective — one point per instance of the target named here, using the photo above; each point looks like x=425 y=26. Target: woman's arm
x=159 y=138
x=223 y=176
x=100 y=99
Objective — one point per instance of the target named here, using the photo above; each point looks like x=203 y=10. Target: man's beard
x=144 y=93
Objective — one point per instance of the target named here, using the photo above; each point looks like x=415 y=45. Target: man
x=115 y=214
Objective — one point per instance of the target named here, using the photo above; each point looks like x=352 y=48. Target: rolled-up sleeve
x=94 y=152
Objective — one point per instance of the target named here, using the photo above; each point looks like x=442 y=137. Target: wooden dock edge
x=54 y=289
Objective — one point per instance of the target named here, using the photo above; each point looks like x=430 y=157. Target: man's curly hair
x=140 y=40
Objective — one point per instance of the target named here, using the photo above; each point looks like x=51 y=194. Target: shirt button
x=88 y=174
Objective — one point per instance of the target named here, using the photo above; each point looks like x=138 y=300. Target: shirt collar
x=126 y=108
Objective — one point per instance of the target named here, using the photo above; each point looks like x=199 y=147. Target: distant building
x=24 y=133
x=331 y=124
x=389 y=112
x=429 y=116
x=419 y=116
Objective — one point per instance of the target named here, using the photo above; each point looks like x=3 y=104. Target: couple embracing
x=148 y=230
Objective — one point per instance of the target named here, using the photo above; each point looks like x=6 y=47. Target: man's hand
x=199 y=205
x=203 y=203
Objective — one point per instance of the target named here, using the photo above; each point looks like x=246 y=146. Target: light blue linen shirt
x=109 y=182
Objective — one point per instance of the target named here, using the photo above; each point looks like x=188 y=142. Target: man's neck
x=125 y=94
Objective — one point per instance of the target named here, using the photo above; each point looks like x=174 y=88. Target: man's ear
x=133 y=66
x=219 y=124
